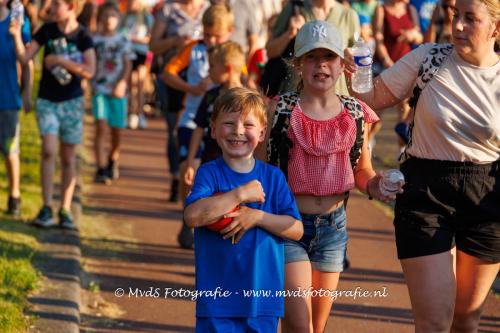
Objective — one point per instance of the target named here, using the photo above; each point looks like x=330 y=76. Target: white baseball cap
x=318 y=35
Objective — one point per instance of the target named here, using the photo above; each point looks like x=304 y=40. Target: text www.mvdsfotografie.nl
x=219 y=292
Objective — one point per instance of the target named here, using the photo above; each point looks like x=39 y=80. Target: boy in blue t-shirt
x=246 y=255
x=10 y=104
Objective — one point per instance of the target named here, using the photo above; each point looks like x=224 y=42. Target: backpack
x=279 y=143
x=428 y=69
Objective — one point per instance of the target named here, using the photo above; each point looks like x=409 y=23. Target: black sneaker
x=113 y=170
x=102 y=176
x=186 y=237
x=174 y=191
x=14 y=206
x=44 y=218
x=66 y=220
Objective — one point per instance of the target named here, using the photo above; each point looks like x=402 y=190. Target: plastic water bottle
x=17 y=11
x=362 y=81
x=60 y=73
x=391 y=181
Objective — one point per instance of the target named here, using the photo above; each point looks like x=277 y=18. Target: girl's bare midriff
x=309 y=204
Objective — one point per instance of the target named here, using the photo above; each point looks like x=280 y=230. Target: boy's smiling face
x=238 y=134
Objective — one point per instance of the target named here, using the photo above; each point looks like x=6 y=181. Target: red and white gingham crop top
x=319 y=159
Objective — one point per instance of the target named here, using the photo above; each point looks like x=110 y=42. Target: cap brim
x=309 y=47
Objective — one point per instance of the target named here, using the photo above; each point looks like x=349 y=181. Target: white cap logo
x=319 y=31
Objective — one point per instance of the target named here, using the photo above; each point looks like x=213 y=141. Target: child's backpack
x=428 y=69
x=279 y=144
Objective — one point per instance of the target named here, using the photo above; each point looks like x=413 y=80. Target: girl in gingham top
x=319 y=174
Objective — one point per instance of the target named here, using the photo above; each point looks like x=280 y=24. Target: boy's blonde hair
x=241 y=100
x=218 y=17
x=228 y=53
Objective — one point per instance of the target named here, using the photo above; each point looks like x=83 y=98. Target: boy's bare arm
x=176 y=82
x=120 y=89
x=245 y=218
x=194 y=144
x=23 y=54
x=85 y=70
x=208 y=210
x=27 y=84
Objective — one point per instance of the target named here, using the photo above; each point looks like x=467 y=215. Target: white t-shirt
x=458 y=112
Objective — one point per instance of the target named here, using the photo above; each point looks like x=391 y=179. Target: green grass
x=18 y=241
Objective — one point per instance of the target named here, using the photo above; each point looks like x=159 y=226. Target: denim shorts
x=324 y=242
x=184 y=138
x=9 y=132
x=64 y=119
x=111 y=109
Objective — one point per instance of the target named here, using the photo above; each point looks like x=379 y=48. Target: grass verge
x=18 y=241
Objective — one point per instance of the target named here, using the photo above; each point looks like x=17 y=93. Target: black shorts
x=447 y=204
x=139 y=60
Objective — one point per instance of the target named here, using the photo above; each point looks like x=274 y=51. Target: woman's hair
x=493 y=8
x=241 y=100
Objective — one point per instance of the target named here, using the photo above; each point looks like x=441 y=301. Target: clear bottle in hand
x=60 y=73
x=17 y=11
x=391 y=181
x=362 y=81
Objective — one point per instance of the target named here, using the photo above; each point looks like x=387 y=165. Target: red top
x=392 y=30
x=319 y=159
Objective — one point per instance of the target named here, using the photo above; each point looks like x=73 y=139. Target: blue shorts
x=260 y=324
x=111 y=109
x=184 y=138
x=324 y=242
x=64 y=119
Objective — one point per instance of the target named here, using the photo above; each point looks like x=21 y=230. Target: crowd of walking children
x=264 y=177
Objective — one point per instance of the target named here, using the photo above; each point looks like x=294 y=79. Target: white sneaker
x=133 y=121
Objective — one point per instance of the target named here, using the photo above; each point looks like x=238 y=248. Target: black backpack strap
x=279 y=144
x=428 y=69
x=355 y=109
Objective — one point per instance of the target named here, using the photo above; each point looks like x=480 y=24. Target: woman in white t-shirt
x=447 y=221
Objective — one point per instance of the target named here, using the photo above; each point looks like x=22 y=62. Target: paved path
x=129 y=242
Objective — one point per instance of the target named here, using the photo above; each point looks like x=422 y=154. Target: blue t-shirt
x=424 y=9
x=10 y=95
x=196 y=71
x=257 y=261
